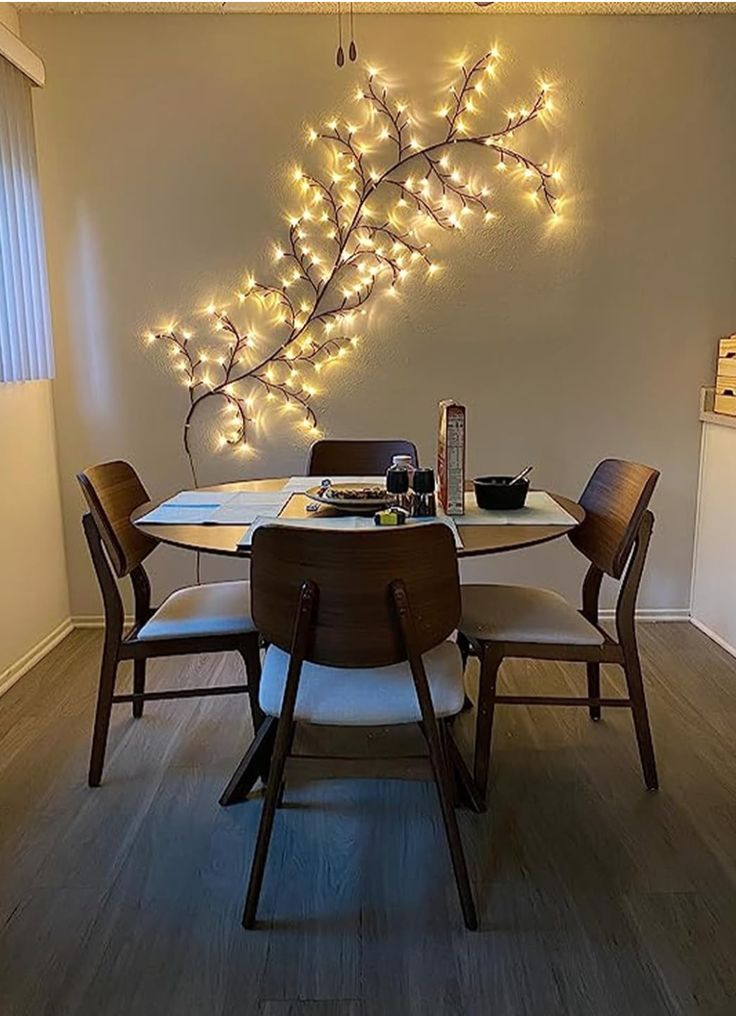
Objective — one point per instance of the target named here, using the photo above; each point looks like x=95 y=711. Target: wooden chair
x=357 y=626
x=211 y=618
x=515 y=621
x=356 y=458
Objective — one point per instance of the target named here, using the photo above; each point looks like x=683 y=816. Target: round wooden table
x=477 y=540
x=216 y=539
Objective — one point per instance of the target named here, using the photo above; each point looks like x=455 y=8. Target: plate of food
x=350 y=497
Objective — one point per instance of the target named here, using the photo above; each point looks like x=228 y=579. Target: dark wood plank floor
x=595 y=897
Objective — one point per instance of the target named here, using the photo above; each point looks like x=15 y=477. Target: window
x=26 y=352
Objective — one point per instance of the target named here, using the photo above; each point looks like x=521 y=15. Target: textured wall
x=164 y=144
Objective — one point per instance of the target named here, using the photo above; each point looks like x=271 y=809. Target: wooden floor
x=595 y=897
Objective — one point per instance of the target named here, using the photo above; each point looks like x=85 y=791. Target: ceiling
x=461 y=7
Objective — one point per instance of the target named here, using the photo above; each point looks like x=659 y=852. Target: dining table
x=476 y=540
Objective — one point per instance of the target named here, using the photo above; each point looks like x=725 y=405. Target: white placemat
x=341 y=523
x=215 y=508
x=540 y=510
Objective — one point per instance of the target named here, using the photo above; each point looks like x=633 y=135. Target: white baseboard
x=712 y=635
x=652 y=614
x=34 y=655
x=94 y=620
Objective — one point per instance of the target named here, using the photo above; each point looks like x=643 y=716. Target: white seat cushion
x=216 y=608
x=498 y=613
x=368 y=697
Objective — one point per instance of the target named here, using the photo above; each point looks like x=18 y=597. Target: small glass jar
x=403 y=462
x=397 y=485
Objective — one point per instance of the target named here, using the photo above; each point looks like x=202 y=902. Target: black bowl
x=495 y=493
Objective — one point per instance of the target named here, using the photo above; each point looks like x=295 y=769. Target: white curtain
x=26 y=352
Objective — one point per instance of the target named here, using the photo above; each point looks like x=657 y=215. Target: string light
x=359 y=230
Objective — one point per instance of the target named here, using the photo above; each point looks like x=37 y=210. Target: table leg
x=253 y=764
x=468 y=792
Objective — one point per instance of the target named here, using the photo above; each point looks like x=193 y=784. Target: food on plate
x=333 y=493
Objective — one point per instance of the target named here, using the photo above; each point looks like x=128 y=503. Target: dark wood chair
x=357 y=626
x=356 y=458
x=515 y=621
x=210 y=618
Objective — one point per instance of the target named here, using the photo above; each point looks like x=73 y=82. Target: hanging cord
x=353 y=50
x=340 y=56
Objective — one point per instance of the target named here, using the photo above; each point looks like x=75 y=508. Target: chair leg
x=270 y=801
x=490 y=663
x=594 y=688
x=464 y=646
x=635 y=685
x=438 y=757
x=443 y=782
x=443 y=731
x=284 y=734
x=139 y=686
x=282 y=788
x=108 y=672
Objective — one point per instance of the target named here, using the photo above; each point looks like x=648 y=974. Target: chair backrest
x=356 y=622
x=113 y=490
x=356 y=458
x=615 y=499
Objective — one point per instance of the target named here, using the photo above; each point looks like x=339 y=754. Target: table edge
x=573 y=507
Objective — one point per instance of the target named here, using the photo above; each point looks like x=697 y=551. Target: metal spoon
x=522 y=475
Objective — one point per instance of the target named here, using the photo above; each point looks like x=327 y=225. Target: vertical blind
x=26 y=352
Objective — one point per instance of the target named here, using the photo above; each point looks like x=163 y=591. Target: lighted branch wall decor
x=361 y=228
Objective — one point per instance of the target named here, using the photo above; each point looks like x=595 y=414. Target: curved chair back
x=615 y=500
x=355 y=623
x=356 y=458
x=113 y=490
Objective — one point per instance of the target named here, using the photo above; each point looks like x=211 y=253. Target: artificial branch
x=360 y=231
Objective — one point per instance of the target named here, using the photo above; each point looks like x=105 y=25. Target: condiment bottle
x=397 y=485
x=424 y=504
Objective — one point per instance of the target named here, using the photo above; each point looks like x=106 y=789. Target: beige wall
x=33 y=587
x=164 y=142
